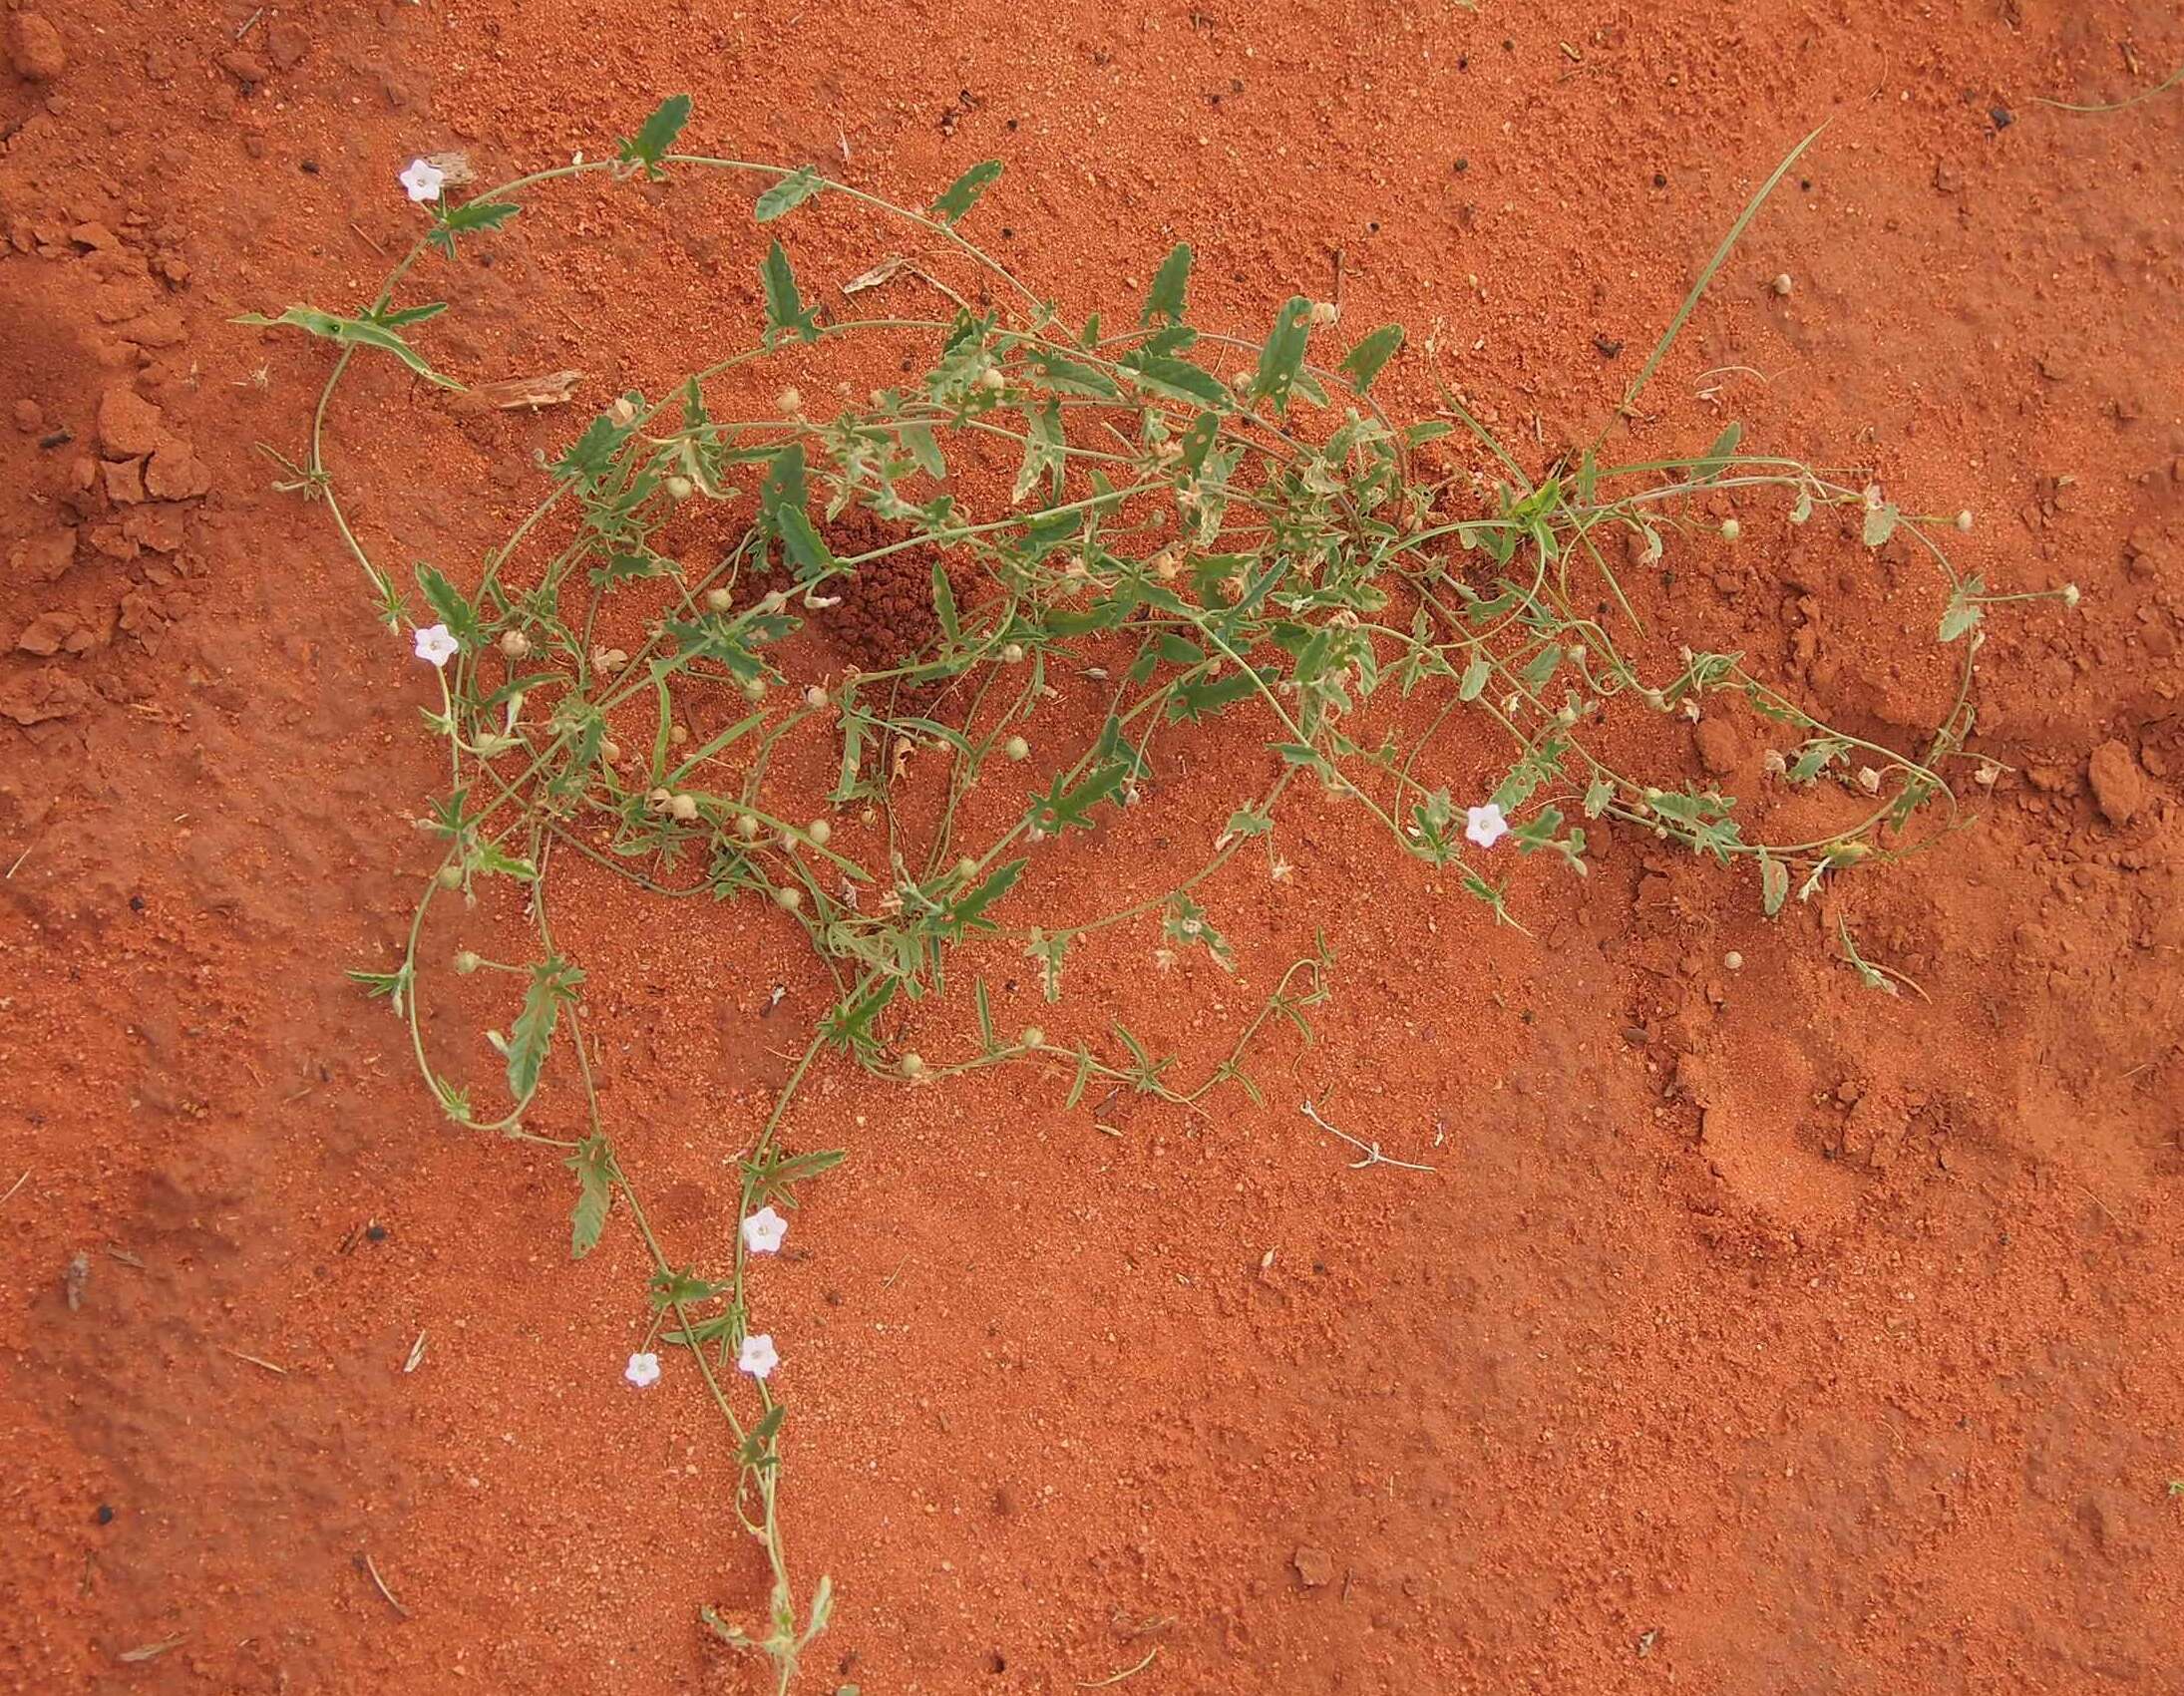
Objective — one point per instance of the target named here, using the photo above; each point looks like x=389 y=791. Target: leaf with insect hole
x=471 y=215
x=648 y=146
x=963 y=192
x=787 y=194
x=1283 y=355
x=1047 y=951
x=1774 y=883
x=350 y=332
x=1370 y=355
x=1044 y=455
x=784 y=308
x=1169 y=283
x=594 y=1165
x=552 y=981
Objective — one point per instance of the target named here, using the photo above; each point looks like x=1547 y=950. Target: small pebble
x=1782 y=283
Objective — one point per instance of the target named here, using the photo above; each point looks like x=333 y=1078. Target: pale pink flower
x=763 y=1231
x=436 y=644
x=758 y=1356
x=423 y=179
x=643 y=1370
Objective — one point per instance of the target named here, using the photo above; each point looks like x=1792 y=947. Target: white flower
x=758 y=1357
x=763 y=1231
x=642 y=1370
x=1485 y=824
x=423 y=179
x=436 y=644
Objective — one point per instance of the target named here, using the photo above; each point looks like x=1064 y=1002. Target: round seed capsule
x=790 y=402
x=719 y=601
x=451 y=876
x=788 y=897
x=680 y=487
x=747 y=828
x=467 y=962
x=1733 y=960
x=1017 y=748
x=911 y=1066
x=1032 y=1037
x=1730 y=529
x=819 y=833
x=683 y=808
x=515 y=644
x=1963 y=518
x=1782 y=283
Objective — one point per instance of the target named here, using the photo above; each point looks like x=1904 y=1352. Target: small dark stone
x=135 y=904
x=375 y=1233
x=59 y=439
x=1463 y=164
x=308 y=166
x=105 y=1515
x=1609 y=347
x=1007 y=234
x=2003 y=117
x=1373 y=227
x=1661 y=180
x=1805 y=182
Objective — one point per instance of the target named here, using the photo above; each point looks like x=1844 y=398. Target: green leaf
x=783 y=490
x=963 y=192
x=1059 y=372
x=447 y=602
x=1044 y=456
x=943 y=602
x=1717 y=456
x=1368 y=356
x=471 y=215
x=350 y=332
x=787 y=194
x=775 y=1177
x=967 y=912
x=594 y=1165
x=492 y=856
x=1176 y=380
x=808 y=554
x=1168 y=283
x=1961 y=616
x=1203 y=697
x=1475 y=678
x=1881 y=522
x=1774 y=883
x=552 y=981
x=655 y=136
x=1283 y=355
x=1248 y=821
x=393 y=985
x=399 y=317
x=592 y=456
x=784 y=308
x=918 y=438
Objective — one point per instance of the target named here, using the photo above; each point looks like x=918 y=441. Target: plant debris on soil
x=1749 y=1329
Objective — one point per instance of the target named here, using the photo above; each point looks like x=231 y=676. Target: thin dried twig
x=277 y=1371
x=1371 y=1151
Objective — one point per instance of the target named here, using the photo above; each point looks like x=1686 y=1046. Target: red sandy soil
x=1754 y=1333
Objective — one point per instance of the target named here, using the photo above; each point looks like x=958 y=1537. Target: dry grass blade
x=151 y=1651
x=277 y=1371
x=553 y=389
x=1150 y=1655
x=370 y=1569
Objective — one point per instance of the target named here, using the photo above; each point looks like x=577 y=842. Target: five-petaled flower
x=642 y=1370
x=758 y=1356
x=1485 y=824
x=763 y=1231
x=436 y=644
x=423 y=179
